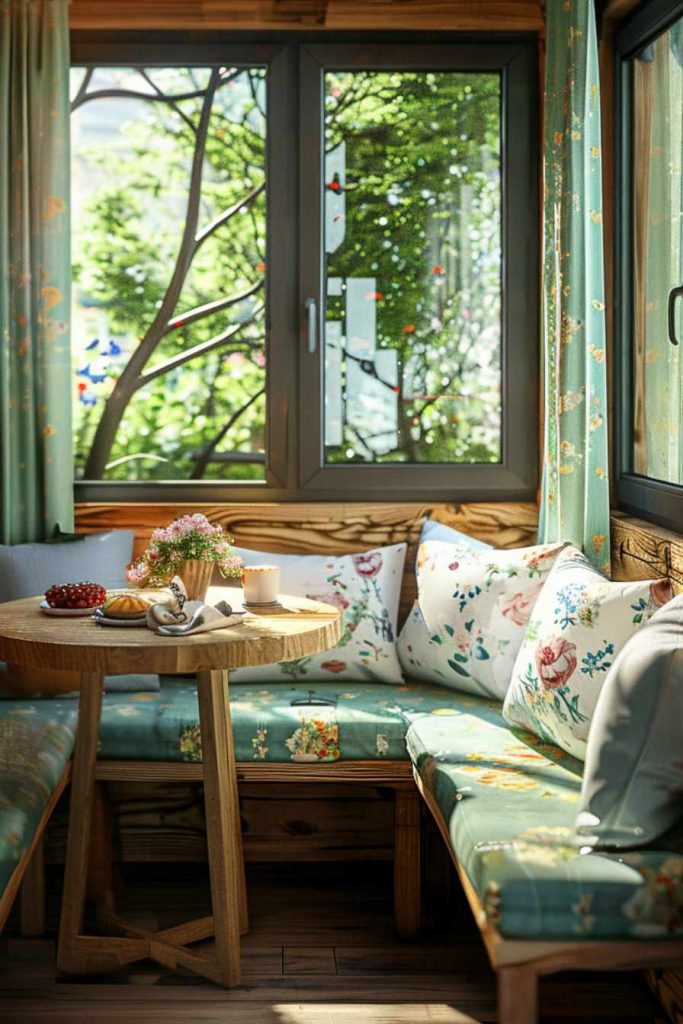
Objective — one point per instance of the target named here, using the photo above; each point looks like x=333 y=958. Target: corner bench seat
x=505 y=803
x=36 y=743
x=278 y=723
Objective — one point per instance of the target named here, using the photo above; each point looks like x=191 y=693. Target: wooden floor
x=321 y=951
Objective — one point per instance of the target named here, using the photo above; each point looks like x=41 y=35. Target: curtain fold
x=575 y=489
x=36 y=469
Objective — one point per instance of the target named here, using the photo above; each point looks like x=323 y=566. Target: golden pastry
x=125 y=606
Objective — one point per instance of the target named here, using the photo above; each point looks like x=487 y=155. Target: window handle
x=311 y=324
x=673 y=295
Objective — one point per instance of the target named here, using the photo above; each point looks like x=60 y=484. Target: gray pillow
x=29 y=569
x=633 y=783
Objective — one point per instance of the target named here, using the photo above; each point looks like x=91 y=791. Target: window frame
x=656 y=500
x=291 y=443
x=514 y=476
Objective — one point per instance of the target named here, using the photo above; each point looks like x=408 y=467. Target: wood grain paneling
x=643 y=551
x=315 y=528
x=489 y=15
x=164 y=822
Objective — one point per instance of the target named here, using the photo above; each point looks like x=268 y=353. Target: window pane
x=658 y=253
x=413 y=267
x=168 y=185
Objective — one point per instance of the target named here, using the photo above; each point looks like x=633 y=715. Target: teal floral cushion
x=633 y=784
x=317 y=721
x=366 y=587
x=577 y=628
x=473 y=608
x=508 y=802
x=36 y=742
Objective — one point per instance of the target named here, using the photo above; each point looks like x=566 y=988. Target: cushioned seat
x=318 y=721
x=508 y=803
x=36 y=742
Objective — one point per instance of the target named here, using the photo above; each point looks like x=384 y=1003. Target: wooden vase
x=196 y=575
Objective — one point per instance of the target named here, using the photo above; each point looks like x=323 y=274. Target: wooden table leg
x=100 y=880
x=78 y=841
x=226 y=866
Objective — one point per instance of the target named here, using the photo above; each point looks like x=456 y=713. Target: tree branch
x=209 y=449
x=82 y=89
x=197 y=350
x=185 y=319
x=222 y=218
x=134 y=94
x=170 y=99
x=127 y=383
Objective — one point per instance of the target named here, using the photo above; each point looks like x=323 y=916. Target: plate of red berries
x=73 y=599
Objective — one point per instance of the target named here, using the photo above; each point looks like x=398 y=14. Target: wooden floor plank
x=321 y=950
x=280 y=1013
x=411 y=959
x=309 y=960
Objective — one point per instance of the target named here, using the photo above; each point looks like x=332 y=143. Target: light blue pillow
x=27 y=570
x=633 y=783
x=434 y=530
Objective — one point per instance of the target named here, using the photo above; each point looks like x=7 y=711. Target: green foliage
x=422 y=158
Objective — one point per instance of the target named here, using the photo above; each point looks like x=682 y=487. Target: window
x=304 y=269
x=650 y=253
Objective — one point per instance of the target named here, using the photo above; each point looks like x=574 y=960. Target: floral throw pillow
x=471 y=614
x=577 y=629
x=366 y=587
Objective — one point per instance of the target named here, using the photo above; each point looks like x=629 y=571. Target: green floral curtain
x=35 y=269
x=575 y=493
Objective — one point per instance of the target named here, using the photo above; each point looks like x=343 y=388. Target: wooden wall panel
x=483 y=15
x=641 y=550
x=164 y=822
x=328 y=528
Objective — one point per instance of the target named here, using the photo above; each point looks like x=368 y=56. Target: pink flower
x=555 y=662
x=519 y=607
x=368 y=564
x=661 y=591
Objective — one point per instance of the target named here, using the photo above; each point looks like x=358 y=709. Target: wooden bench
x=320 y=529
x=28 y=878
x=638 y=551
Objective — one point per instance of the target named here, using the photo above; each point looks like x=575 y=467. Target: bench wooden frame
x=519 y=963
x=28 y=877
x=394 y=775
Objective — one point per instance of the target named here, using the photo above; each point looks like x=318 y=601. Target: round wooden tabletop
x=296 y=629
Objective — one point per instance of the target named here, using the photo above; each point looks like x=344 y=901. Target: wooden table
x=27 y=637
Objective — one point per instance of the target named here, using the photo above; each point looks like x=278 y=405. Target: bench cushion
x=358 y=721
x=508 y=802
x=36 y=741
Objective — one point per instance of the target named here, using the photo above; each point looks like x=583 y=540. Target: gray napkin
x=195 y=617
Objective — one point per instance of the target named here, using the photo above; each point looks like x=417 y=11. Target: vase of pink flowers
x=189 y=547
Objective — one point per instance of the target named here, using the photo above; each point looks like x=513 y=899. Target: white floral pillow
x=366 y=588
x=577 y=629
x=471 y=614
